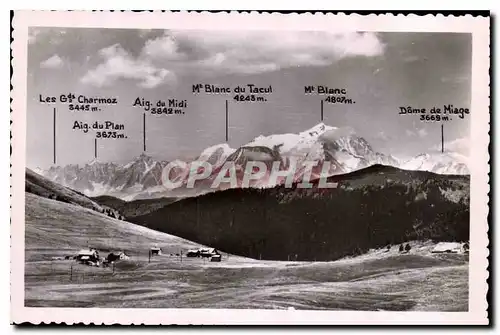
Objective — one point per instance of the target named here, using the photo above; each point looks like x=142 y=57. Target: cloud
x=420 y=132
x=145 y=32
x=455 y=79
x=119 y=64
x=459 y=145
x=163 y=47
x=409 y=133
x=53 y=36
x=241 y=52
x=255 y=52
x=32 y=35
x=54 y=62
x=411 y=59
x=337 y=133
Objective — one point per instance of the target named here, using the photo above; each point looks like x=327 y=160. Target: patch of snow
x=284 y=142
x=317 y=130
x=226 y=151
x=39 y=171
x=127 y=166
x=148 y=167
x=442 y=163
x=92 y=162
x=349 y=161
x=421 y=196
x=98 y=189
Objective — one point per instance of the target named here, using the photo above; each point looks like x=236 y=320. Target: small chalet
x=155 y=251
x=117 y=255
x=193 y=253
x=216 y=258
x=208 y=252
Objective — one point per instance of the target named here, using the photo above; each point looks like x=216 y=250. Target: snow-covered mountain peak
x=216 y=152
x=144 y=157
x=438 y=162
x=143 y=160
x=284 y=143
x=438 y=157
x=354 y=145
x=281 y=142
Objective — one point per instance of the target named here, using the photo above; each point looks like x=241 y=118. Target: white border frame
x=477 y=26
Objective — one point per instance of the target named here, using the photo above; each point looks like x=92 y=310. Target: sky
x=381 y=72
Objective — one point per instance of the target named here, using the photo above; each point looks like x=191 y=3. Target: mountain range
x=344 y=152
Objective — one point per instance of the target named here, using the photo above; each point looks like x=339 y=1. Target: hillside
x=55 y=228
x=369 y=208
x=41 y=186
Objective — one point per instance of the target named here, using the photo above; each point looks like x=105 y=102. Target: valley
x=378 y=280
x=344 y=274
